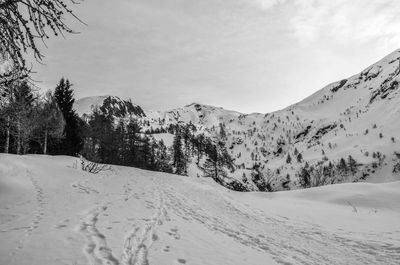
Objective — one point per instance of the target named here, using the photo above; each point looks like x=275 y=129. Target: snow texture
x=51 y=212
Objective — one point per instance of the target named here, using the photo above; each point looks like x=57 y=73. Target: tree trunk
x=7 y=144
x=18 y=138
x=45 y=142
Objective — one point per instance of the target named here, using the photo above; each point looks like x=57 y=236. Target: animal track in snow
x=96 y=248
x=139 y=241
x=136 y=244
x=38 y=215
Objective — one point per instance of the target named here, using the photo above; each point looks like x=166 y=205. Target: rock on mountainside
x=302 y=145
x=119 y=107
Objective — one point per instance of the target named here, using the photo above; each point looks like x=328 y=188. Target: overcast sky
x=245 y=55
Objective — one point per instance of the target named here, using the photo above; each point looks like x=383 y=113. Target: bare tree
x=22 y=115
x=50 y=121
x=22 y=24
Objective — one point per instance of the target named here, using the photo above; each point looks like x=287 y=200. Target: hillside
x=356 y=117
x=51 y=212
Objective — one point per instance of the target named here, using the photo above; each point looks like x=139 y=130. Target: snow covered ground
x=53 y=213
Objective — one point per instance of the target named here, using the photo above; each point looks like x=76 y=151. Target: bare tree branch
x=22 y=24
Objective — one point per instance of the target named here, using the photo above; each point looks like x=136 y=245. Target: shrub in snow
x=93 y=167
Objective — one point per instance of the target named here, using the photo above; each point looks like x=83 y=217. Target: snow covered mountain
x=119 y=107
x=358 y=117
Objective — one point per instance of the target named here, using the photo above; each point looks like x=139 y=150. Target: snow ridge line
x=136 y=247
x=96 y=248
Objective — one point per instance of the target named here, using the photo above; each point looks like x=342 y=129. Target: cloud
x=267 y=4
x=341 y=21
x=167 y=53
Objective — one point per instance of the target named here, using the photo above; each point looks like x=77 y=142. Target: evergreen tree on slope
x=72 y=142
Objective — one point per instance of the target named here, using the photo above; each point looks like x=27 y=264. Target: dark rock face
x=322 y=131
x=121 y=108
x=341 y=84
x=303 y=133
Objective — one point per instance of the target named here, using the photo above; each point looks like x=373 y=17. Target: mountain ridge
x=355 y=117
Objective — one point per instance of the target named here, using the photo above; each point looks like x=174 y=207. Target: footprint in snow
x=181 y=261
x=61 y=226
x=166 y=249
x=174 y=233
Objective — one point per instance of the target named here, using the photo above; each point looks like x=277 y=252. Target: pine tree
x=105 y=134
x=288 y=159
x=72 y=142
x=210 y=166
x=179 y=162
x=342 y=166
x=296 y=152
x=120 y=142
x=305 y=177
x=146 y=154
x=222 y=131
x=352 y=165
x=299 y=158
x=162 y=158
x=133 y=130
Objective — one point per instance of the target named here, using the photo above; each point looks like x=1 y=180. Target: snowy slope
x=357 y=116
x=53 y=213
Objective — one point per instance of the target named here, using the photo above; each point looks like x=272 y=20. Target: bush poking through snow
x=396 y=166
x=93 y=167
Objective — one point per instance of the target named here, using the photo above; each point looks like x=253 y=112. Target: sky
x=243 y=55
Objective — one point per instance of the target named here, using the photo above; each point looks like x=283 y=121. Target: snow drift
x=51 y=212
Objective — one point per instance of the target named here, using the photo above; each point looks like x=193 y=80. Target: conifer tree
x=305 y=178
x=342 y=166
x=217 y=158
x=296 y=152
x=352 y=165
x=72 y=142
x=179 y=162
x=133 y=129
x=288 y=159
x=120 y=142
x=222 y=131
x=162 y=158
x=146 y=154
x=299 y=157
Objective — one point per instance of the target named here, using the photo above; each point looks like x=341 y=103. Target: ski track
x=136 y=246
x=288 y=243
x=84 y=188
x=37 y=217
x=96 y=248
x=136 y=243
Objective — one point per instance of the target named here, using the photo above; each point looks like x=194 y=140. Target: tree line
x=34 y=123
x=324 y=174
x=47 y=124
